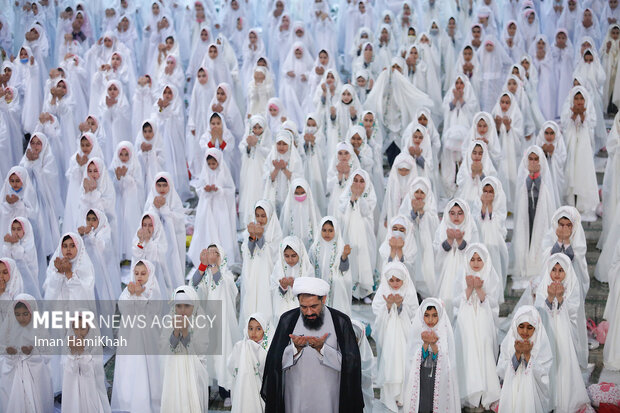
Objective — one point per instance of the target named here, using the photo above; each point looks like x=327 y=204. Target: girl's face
x=431 y=317
x=253 y=38
x=261 y=216
x=423 y=120
x=344 y=156
x=482 y=127
x=162 y=188
x=213 y=255
x=588 y=58
x=327 y=231
x=212 y=163
x=361 y=82
x=399 y=228
x=356 y=141
x=533 y=162
x=168 y=95
x=458 y=85
x=403 y=171
x=92 y=220
x=80 y=328
x=257 y=129
x=123 y=155
x=299 y=191
x=476 y=154
x=215 y=122
x=298 y=53
x=273 y=110
x=92 y=122
x=23 y=316
x=311 y=123
x=358 y=179
x=526 y=65
x=468 y=54
x=512 y=86
x=419 y=194
x=504 y=103
x=116 y=60
x=457 y=215
x=85 y=146
x=68 y=248
x=170 y=65
x=282 y=147
x=346 y=97
x=476 y=263
x=213 y=52
x=512 y=29
x=368 y=120
x=530 y=18
x=36 y=145
x=62 y=86
x=549 y=135
x=17 y=229
x=255 y=331
x=147 y=224
x=15 y=182
x=615 y=33
x=113 y=91
x=323 y=58
x=141 y=274
x=204 y=35
x=417 y=137
x=93 y=171
x=147 y=132
x=488 y=189
x=525 y=330
x=202 y=77
x=221 y=95
x=557 y=273
x=4 y=273
x=560 y=40
x=395 y=283
x=23 y=54
x=291 y=257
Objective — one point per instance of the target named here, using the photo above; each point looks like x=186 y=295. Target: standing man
x=313 y=364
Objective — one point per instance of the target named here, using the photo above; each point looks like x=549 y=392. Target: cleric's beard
x=314 y=324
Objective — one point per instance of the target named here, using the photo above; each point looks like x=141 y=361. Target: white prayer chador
x=410 y=247
x=216 y=219
x=397 y=186
x=138 y=378
x=277 y=190
x=391 y=328
x=528 y=253
x=448 y=263
x=469 y=187
x=83 y=382
x=26 y=379
x=579 y=168
x=424 y=227
x=335 y=181
x=129 y=196
x=475 y=331
x=224 y=290
x=149 y=152
x=32 y=265
x=492 y=228
x=115 y=119
x=314 y=169
x=357 y=219
x=446 y=392
x=103 y=197
x=13 y=287
x=252 y=161
x=424 y=166
x=527 y=388
x=461 y=113
x=255 y=276
x=611 y=183
x=491 y=136
x=563 y=328
x=557 y=160
x=300 y=215
x=284 y=300
x=611 y=355
x=172 y=217
x=326 y=257
x=247 y=364
x=81 y=285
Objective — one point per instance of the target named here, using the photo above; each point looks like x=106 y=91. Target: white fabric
x=27 y=258
x=81 y=285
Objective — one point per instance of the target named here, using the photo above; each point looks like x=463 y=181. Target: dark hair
x=61 y=70
x=170 y=38
x=19 y=305
x=161 y=180
x=328 y=222
x=91 y=212
x=66 y=237
x=211 y=157
x=146 y=125
x=431 y=307
x=68 y=10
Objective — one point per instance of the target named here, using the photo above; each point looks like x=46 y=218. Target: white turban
x=310 y=285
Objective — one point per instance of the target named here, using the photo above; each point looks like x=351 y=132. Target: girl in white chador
x=129 y=183
x=83 y=383
x=164 y=202
x=115 y=117
x=19 y=245
x=294 y=80
x=535 y=204
x=551 y=140
x=560 y=303
x=431 y=362
x=611 y=355
x=11 y=284
x=282 y=165
x=247 y=364
x=292 y=263
x=216 y=218
x=399 y=244
x=356 y=214
x=477 y=311
x=591 y=76
x=330 y=258
x=343 y=114
x=509 y=125
x=254 y=148
x=261 y=242
x=342 y=161
x=97 y=192
x=149 y=151
x=490 y=213
x=525 y=364
x=456 y=230
x=300 y=215
x=417 y=143
x=138 y=378
x=402 y=174
x=213 y=280
x=25 y=379
x=394 y=307
x=475 y=167
x=611 y=181
x=578 y=122
x=460 y=103
x=483 y=128
x=314 y=144
x=185 y=377
x=70 y=274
